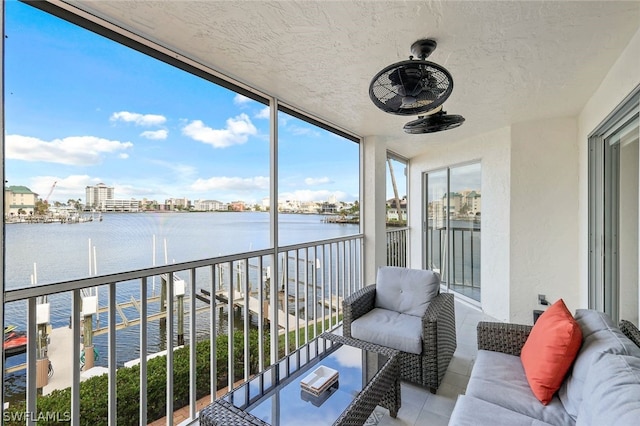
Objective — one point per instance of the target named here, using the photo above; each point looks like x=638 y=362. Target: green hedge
x=94 y=391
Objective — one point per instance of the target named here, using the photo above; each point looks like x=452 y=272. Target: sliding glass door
x=452 y=227
x=614 y=220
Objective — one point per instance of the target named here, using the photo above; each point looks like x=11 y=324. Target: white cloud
x=225 y=183
x=155 y=134
x=237 y=132
x=70 y=187
x=302 y=131
x=308 y=195
x=72 y=150
x=240 y=99
x=123 y=155
x=264 y=113
x=138 y=119
x=179 y=169
x=317 y=181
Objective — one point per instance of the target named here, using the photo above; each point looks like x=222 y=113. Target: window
x=318 y=181
x=396 y=210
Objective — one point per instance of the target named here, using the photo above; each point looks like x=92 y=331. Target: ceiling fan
x=415 y=87
x=435 y=122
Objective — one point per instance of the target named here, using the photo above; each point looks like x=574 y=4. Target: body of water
x=124 y=242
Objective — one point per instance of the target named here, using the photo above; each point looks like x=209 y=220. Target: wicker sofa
x=602 y=386
x=426 y=318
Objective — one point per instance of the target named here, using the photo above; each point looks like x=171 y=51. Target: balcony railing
x=397 y=246
x=461 y=246
x=260 y=305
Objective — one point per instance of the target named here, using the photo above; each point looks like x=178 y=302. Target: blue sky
x=81 y=109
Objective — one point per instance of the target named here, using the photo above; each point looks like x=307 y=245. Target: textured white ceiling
x=510 y=61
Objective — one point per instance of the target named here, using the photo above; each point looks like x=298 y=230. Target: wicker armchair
x=438 y=336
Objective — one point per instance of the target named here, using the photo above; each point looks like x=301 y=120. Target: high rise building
x=96 y=195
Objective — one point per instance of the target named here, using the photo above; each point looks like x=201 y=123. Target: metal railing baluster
x=32 y=335
x=143 y=350
x=260 y=315
x=170 y=334
x=193 y=396
x=113 y=413
x=247 y=320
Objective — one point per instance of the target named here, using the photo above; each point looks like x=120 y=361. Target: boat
x=15 y=343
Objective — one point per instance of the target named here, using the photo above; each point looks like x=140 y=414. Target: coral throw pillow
x=550 y=350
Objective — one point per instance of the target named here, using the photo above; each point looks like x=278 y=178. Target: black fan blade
x=394 y=103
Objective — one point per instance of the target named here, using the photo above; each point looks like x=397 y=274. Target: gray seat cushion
x=473 y=411
x=499 y=378
x=391 y=329
x=405 y=290
x=599 y=335
x=611 y=392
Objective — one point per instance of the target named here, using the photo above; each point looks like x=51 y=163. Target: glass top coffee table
x=367 y=376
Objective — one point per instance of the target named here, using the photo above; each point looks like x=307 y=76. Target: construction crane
x=46 y=200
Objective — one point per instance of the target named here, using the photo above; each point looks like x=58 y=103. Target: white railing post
x=169 y=345
x=143 y=351
x=32 y=390
x=113 y=413
x=193 y=397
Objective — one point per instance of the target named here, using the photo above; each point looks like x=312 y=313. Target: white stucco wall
x=529 y=202
x=544 y=205
x=621 y=80
x=493 y=151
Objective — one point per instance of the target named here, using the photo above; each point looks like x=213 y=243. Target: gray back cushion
x=611 y=392
x=599 y=334
x=404 y=290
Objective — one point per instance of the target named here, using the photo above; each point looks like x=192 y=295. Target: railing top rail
x=397 y=229
x=24 y=293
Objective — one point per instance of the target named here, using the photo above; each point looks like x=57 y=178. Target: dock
x=61 y=339
x=239 y=301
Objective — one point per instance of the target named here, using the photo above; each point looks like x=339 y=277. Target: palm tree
x=395 y=188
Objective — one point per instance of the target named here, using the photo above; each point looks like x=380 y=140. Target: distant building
x=310 y=207
x=209 y=205
x=177 y=204
x=289 y=206
x=395 y=214
x=237 y=206
x=328 y=208
x=97 y=195
x=113 y=205
x=474 y=203
x=19 y=200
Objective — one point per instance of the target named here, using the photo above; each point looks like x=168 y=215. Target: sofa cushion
x=591 y=321
x=611 y=391
x=600 y=335
x=405 y=290
x=550 y=350
x=499 y=378
x=474 y=411
x=391 y=329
